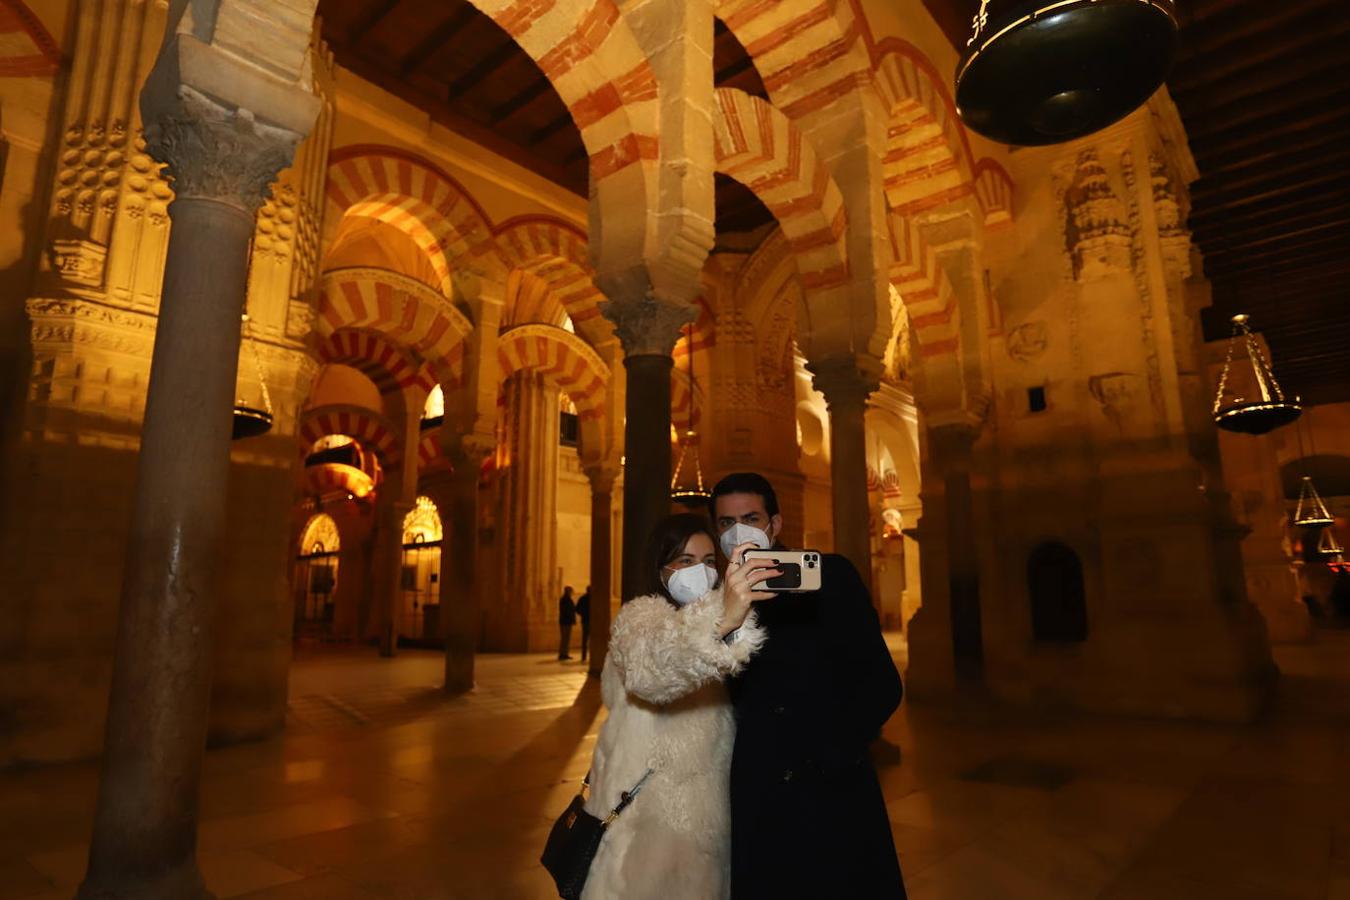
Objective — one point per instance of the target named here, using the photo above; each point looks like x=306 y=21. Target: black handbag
x=575 y=838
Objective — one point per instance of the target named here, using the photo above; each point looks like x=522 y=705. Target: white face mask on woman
x=688 y=584
x=740 y=533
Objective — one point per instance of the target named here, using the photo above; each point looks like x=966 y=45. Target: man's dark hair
x=665 y=544
x=744 y=483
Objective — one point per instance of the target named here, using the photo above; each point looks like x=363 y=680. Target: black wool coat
x=807 y=816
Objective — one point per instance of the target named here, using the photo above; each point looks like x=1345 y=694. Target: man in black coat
x=808 y=819
x=567 y=617
x=584 y=614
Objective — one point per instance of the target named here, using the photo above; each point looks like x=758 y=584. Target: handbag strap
x=625 y=798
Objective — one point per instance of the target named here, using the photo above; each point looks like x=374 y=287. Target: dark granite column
x=602 y=563
x=648 y=329
x=145 y=828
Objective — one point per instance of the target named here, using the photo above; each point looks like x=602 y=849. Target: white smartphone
x=800 y=568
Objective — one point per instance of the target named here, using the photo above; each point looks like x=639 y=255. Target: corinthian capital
x=846 y=379
x=212 y=152
x=648 y=326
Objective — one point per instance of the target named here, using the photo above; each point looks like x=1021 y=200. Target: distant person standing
x=584 y=612
x=567 y=617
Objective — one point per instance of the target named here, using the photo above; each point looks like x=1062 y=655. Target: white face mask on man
x=740 y=533
x=688 y=584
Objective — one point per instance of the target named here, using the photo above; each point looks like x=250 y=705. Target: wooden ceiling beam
x=1275 y=262
x=435 y=39
x=1206 y=229
x=1226 y=238
x=1268 y=134
x=1321 y=62
x=1218 y=207
x=1235 y=21
x=1197 y=66
x=539 y=135
x=522 y=99
x=1298 y=140
x=1289 y=172
x=369 y=18
x=483 y=68
x=1253 y=112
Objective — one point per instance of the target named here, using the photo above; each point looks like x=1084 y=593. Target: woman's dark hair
x=665 y=544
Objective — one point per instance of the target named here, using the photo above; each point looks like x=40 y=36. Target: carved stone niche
x=1097 y=232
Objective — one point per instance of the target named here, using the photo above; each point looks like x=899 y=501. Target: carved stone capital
x=602 y=477
x=846 y=379
x=466 y=452
x=648 y=326
x=214 y=153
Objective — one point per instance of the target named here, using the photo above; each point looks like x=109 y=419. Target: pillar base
x=181 y=883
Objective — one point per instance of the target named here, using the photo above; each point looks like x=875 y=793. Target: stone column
x=461 y=593
x=648 y=328
x=468 y=436
x=520 y=620
x=386 y=563
x=847 y=381
x=951 y=449
x=602 y=589
x=221 y=160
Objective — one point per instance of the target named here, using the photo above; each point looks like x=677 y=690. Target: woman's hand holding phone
x=740 y=585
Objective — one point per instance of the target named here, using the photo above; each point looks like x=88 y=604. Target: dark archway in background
x=1058 y=597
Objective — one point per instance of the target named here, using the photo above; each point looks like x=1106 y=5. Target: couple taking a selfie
x=734 y=760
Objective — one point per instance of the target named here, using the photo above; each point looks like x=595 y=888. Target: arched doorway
x=316 y=576
x=421 y=588
x=1058 y=598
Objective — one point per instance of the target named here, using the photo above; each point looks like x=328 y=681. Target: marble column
x=602 y=542
x=951 y=448
x=222 y=161
x=847 y=380
x=525 y=617
x=648 y=329
x=461 y=581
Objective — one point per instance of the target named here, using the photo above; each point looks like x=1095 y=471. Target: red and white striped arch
x=557 y=252
x=336 y=478
x=564 y=358
x=934 y=316
x=429 y=454
x=929 y=161
x=392 y=368
x=593 y=60
x=26 y=47
x=417 y=197
x=367 y=426
x=808 y=54
x=406 y=312
x=759 y=147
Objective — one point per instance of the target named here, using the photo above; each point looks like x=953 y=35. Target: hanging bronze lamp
x=689 y=492
x=249 y=421
x=1311 y=512
x=1258 y=415
x=1044 y=72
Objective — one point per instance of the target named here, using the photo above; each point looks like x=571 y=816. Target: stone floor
x=380 y=788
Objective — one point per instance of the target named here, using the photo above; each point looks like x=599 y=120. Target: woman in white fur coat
x=669 y=652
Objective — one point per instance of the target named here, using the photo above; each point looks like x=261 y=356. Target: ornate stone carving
x=1028 y=341
x=1117 y=393
x=219 y=154
x=1098 y=234
x=1173 y=237
x=648 y=326
x=1143 y=289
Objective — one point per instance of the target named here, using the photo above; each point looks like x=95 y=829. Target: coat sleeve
x=868 y=683
x=662 y=653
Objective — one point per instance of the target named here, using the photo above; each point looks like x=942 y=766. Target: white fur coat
x=668 y=711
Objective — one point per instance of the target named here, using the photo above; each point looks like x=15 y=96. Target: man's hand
x=741 y=586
